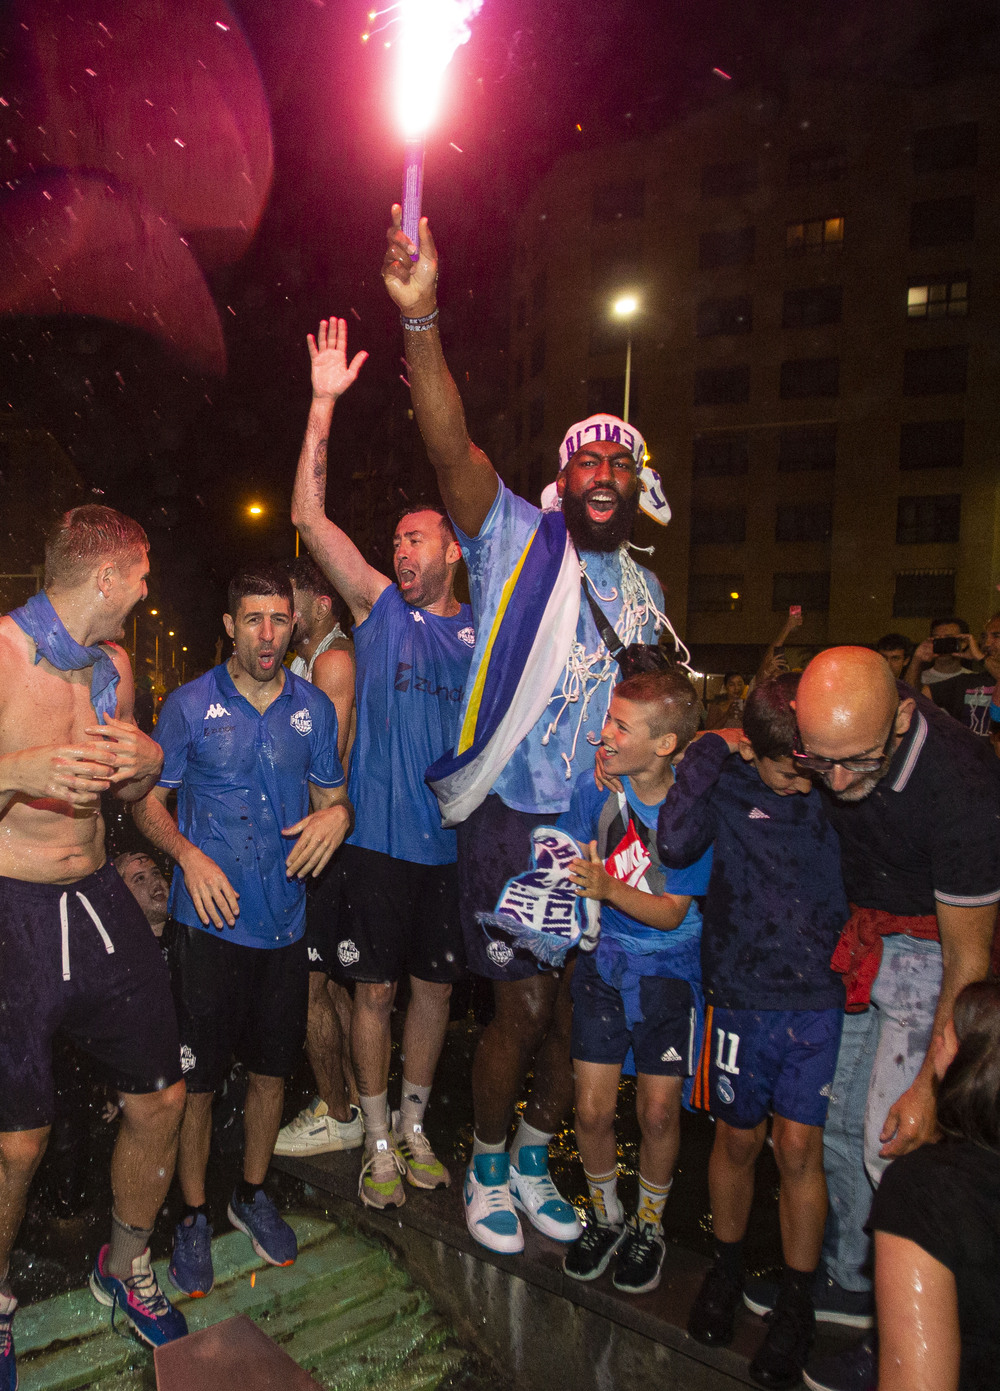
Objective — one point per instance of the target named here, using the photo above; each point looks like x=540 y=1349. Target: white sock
x=604 y=1197
x=376 y=1113
x=481 y=1147
x=412 y=1105
x=527 y=1135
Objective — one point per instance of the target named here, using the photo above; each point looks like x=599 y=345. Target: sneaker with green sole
x=423 y=1168
x=378 y=1184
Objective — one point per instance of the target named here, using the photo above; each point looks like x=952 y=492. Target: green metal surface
x=344 y=1311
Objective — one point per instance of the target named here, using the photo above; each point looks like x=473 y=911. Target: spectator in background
x=773 y=662
x=936 y=1219
x=896 y=649
x=725 y=710
x=967 y=696
x=937 y=658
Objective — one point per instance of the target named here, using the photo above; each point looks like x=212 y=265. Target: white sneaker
x=315 y=1131
x=535 y=1194
x=489 y=1212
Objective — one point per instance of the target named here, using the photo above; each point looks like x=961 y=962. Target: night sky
x=149 y=428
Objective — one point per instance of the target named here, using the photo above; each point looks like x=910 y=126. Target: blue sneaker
x=190 y=1269
x=140 y=1300
x=489 y=1209
x=8 y=1363
x=272 y=1237
x=535 y=1194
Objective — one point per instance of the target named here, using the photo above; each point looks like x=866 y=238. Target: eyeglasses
x=815 y=763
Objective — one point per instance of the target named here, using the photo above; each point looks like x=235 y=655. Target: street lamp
x=625 y=307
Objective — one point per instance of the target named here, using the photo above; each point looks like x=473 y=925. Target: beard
x=589 y=535
x=864 y=787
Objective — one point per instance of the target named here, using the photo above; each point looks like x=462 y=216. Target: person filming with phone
x=939 y=657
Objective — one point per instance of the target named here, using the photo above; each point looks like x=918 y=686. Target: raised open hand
x=331 y=374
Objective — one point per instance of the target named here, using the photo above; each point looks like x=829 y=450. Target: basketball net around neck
x=590 y=677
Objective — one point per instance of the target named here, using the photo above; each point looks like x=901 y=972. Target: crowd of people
x=779 y=910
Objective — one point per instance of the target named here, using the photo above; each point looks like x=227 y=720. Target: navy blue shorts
x=494 y=844
x=662 y=1042
x=81 y=958
x=398 y=918
x=756 y=1062
x=238 y=1001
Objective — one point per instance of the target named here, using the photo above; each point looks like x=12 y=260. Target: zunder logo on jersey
x=215 y=711
x=301 y=721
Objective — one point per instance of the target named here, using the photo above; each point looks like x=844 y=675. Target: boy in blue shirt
x=774 y=1009
x=635 y=988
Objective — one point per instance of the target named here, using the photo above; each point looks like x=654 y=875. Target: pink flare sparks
x=429 y=33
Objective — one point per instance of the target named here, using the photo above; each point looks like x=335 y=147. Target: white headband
x=611 y=427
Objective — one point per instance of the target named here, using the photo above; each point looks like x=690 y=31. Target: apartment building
x=815 y=353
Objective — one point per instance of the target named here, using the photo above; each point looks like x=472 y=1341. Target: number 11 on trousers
x=727 y=1063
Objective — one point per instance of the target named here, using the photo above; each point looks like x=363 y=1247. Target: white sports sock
x=375 y=1110
x=604 y=1197
x=527 y=1135
x=481 y=1147
x=412 y=1105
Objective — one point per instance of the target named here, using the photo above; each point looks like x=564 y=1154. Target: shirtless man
x=75 y=950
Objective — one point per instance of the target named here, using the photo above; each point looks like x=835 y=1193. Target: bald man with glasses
x=916 y=805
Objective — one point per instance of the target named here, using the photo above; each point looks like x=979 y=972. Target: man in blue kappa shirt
x=251 y=750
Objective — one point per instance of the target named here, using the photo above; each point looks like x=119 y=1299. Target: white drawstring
x=109 y=946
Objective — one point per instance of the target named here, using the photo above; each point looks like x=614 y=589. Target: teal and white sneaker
x=536 y=1195
x=489 y=1211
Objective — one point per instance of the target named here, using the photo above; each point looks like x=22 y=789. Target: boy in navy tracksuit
x=772 y=916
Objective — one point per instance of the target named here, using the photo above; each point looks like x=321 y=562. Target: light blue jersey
x=540 y=773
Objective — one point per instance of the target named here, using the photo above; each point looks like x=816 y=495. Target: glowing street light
x=255 y=509
x=625 y=306
x=154 y=612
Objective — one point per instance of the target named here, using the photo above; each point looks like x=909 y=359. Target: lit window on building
x=938 y=299
x=719 y=526
x=923 y=521
x=818 y=234
x=715 y=594
x=720 y=456
x=931 y=444
x=810 y=589
x=923 y=593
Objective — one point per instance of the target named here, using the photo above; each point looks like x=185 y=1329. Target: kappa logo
x=301 y=721
x=347 y=953
x=826 y=1091
x=314 y=954
x=417 y=616
x=215 y=711
x=670 y=1056
x=188 y=1059
x=468 y=636
x=500 y=953
x=758 y=815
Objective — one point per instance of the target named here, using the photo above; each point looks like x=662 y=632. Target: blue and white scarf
x=43 y=625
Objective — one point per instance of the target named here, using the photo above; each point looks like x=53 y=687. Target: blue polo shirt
x=241 y=777
x=411 y=671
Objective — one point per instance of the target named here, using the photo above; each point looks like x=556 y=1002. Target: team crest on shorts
x=468 y=636
x=301 y=721
x=347 y=953
x=499 y=953
x=725 y=1089
x=187 y=1059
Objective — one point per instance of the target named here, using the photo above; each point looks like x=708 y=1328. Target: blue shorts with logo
x=755 y=1062
x=662 y=1041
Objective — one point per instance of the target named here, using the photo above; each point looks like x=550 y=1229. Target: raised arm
x=332 y=549
x=467 y=479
